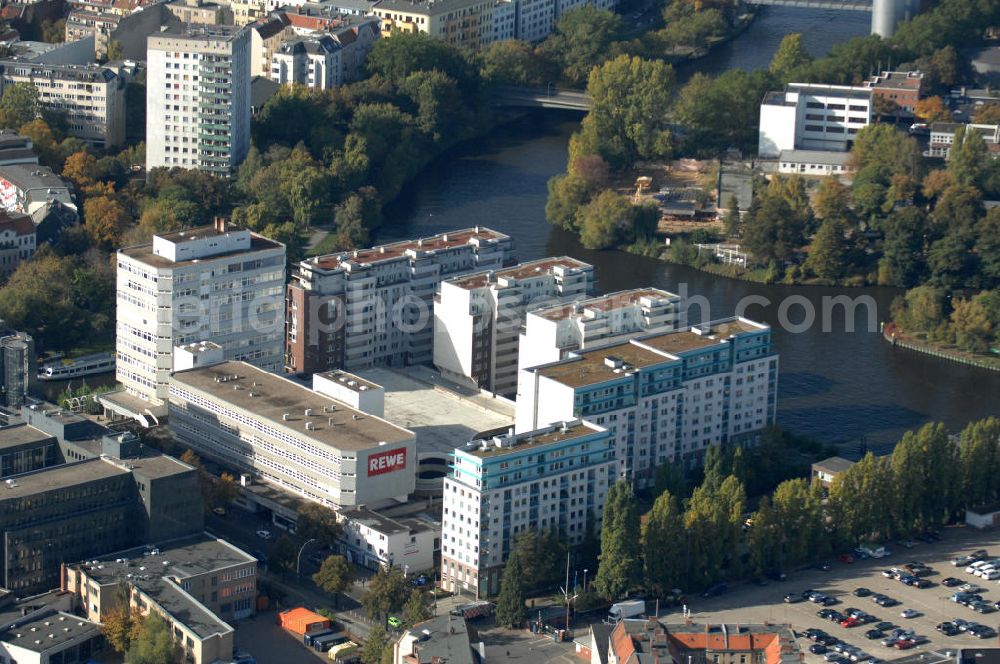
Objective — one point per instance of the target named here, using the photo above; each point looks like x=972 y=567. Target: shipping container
x=302 y=621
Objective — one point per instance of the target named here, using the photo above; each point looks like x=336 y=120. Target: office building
x=198 y=98
x=663 y=397
x=550 y=333
x=816 y=163
x=16 y=149
x=18 y=368
x=44 y=629
x=290 y=436
x=374 y=306
x=217 y=282
x=92 y=96
x=442 y=639
x=17 y=241
x=812 y=116
x=200 y=12
x=24 y=449
x=478 y=317
x=943 y=138
x=91 y=507
x=896 y=93
x=376 y=540
x=472 y=24
x=196 y=584
x=552 y=477
x=266 y=35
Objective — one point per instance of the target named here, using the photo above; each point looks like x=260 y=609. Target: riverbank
x=899 y=339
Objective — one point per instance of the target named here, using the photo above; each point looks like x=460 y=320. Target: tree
x=225 y=490
x=81 y=169
x=764 y=540
x=582 y=40
x=833 y=199
x=154 y=644
x=386 y=593
x=54 y=32
x=354 y=217
x=515 y=62
x=628 y=119
x=987 y=114
x=798 y=511
x=988 y=246
x=706 y=524
x=415 y=610
x=663 y=546
x=732 y=218
x=932 y=109
x=608 y=219
x=319 y=523
x=979 y=450
x=967 y=158
x=417 y=51
x=376 y=644
x=118 y=621
x=619 y=566
x=826 y=255
x=19 y=105
x=791 y=55
x=284 y=554
x=902 y=261
x=774 y=231
x=334 y=576
x=567 y=193
x=510 y=602
x=115 y=50
x=921 y=310
x=105 y=220
x=438 y=100
x=971 y=326
x=937 y=182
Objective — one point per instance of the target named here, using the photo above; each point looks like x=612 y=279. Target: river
x=837 y=386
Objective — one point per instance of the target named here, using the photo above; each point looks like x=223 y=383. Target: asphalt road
x=754 y=604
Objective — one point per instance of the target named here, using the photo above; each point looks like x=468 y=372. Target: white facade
x=321 y=449
x=477 y=318
x=353 y=390
x=808 y=116
x=198 y=98
x=314 y=62
x=376 y=541
x=216 y=283
x=551 y=333
x=662 y=397
x=536 y=19
x=374 y=307
x=813 y=162
x=943 y=138
x=548 y=478
x=17 y=241
x=504 y=21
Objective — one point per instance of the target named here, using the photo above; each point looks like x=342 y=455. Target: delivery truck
x=619 y=611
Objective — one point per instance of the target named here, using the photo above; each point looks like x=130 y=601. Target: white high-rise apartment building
x=549 y=478
x=662 y=397
x=198 y=98
x=550 y=333
x=375 y=307
x=812 y=116
x=217 y=283
x=478 y=317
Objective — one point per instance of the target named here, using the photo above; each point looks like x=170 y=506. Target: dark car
x=823 y=567
x=825 y=613
x=947 y=628
x=884 y=625
x=922 y=583
x=951 y=582
x=817 y=649
x=873 y=634
x=886 y=601
x=861 y=592
x=985 y=633
x=835 y=616
x=792 y=598
x=716 y=590
x=984 y=607
x=830 y=601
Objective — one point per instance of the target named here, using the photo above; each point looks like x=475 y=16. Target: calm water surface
x=836 y=386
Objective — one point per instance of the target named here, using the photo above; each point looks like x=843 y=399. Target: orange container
x=302 y=621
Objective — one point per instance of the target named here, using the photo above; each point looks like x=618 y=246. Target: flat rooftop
x=270 y=397
x=22 y=434
x=897 y=80
x=443 y=639
x=31 y=176
x=519 y=271
x=530 y=440
x=50 y=631
x=387 y=524
x=607 y=363
x=603 y=303
x=200 y=233
x=58 y=477
x=392 y=251
x=441 y=416
x=349 y=381
x=144 y=252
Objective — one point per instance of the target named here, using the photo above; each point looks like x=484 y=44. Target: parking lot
x=758 y=604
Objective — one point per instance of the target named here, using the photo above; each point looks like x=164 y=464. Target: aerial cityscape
x=467 y=331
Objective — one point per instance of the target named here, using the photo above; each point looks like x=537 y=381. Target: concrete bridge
x=817 y=4
x=886 y=14
x=547 y=97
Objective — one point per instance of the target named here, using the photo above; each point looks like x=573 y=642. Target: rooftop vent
x=308 y=412
x=286 y=416
x=310 y=426
x=613 y=362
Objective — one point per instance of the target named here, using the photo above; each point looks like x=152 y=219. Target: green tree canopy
x=154 y=644
x=620 y=563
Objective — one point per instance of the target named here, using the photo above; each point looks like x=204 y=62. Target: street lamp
x=298 y=558
x=585 y=579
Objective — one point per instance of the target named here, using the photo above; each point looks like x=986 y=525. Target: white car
x=909 y=613
x=264 y=534
x=992 y=575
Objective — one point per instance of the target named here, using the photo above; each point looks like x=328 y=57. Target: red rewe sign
x=386 y=462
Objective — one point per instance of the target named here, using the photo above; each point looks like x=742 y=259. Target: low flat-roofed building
x=827 y=470
x=23 y=448
x=29 y=188
x=16 y=149
x=441 y=639
x=196 y=584
x=375 y=540
x=43 y=629
x=478 y=317
x=818 y=163
x=647 y=641
x=896 y=93
x=278 y=430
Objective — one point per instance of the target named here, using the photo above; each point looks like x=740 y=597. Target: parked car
x=264 y=534
x=884 y=625
x=886 y=601
x=984 y=632
x=716 y=590
x=922 y=583
x=951 y=582
x=850 y=622
x=889 y=573
x=962 y=625
x=971 y=588
x=861 y=592
x=983 y=607
x=947 y=628
x=873 y=634
x=812 y=633
x=830 y=601
x=846 y=558
x=792 y=598
x=817 y=649
x=909 y=613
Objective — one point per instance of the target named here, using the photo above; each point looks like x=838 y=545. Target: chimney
x=220 y=224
